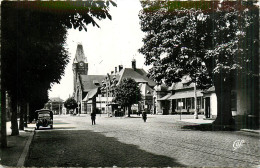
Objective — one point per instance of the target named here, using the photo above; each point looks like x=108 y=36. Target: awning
x=165 y=97
x=180 y=95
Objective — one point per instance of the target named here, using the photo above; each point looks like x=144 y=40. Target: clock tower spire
x=80 y=64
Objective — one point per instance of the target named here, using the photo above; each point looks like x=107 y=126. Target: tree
x=70 y=103
x=206 y=40
x=127 y=93
x=33 y=52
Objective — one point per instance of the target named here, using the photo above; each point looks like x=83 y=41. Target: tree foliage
x=206 y=40
x=70 y=103
x=199 y=39
x=34 y=56
x=127 y=93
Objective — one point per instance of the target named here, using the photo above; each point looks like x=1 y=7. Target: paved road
x=130 y=142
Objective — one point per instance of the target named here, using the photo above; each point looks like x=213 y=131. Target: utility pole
x=195 y=101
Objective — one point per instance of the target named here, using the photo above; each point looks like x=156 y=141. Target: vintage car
x=44 y=118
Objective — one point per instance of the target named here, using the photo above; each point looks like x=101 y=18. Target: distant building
x=56 y=104
x=85 y=86
x=139 y=75
x=180 y=92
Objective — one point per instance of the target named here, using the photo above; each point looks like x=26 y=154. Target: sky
x=115 y=43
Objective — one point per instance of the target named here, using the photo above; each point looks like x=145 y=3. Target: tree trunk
x=3 y=119
x=223 y=91
x=22 y=114
x=14 y=123
x=129 y=110
x=25 y=114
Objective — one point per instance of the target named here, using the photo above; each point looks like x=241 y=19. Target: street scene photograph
x=129 y=83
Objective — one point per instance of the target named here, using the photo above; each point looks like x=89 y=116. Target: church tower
x=80 y=64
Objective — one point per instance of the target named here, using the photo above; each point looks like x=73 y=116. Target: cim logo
x=238 y=144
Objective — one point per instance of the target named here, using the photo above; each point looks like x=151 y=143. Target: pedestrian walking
x=93 y=118
x=144 y=115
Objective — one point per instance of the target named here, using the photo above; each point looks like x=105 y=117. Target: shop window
x=192 y=103
x=178 y=100
x=174 y=104
x=199 y=102
x=184 y=103
x=188 y=103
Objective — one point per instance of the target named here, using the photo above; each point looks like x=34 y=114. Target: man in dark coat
x=93 y=118
x=144 y=115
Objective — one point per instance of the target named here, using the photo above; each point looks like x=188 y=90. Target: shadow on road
x=70 y=148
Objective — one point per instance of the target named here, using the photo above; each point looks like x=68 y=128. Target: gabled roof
x=91 y=94
x=88 y=82
x=55 y=99
x=184 y=84
x=161 y=88
x=139 y=75
x=146 y=90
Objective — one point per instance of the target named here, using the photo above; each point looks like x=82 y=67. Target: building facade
x=56 y=104
x=86 y=86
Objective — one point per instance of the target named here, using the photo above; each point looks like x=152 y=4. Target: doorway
x=207 y=107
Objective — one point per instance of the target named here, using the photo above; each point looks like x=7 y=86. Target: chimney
x=115 y=70
x=134 y=64
x=120 y=67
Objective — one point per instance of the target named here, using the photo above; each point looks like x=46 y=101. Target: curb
x=251 y=131
x=24 y=154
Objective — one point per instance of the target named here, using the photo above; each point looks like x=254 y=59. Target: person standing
x=144 y=115
x=93 y=118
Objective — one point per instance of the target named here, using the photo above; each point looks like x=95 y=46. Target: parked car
x=44 y=118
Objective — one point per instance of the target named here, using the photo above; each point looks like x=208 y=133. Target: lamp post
x=195 y=101
x=107 y=97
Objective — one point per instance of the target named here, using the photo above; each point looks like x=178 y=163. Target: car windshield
x=44 y=114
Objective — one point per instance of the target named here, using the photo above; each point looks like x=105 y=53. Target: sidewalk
x=205 y=121
x=17 y=146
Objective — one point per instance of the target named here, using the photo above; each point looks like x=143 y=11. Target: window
x=192 y=103
x=199 y=102
x=184 y=103
x=188 y=103
x=178 y=100
x=202 y=103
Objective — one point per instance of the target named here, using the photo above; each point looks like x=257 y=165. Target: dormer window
x=95 y=82
x=185 y=84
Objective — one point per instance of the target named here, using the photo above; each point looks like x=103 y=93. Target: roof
x=165 y=97
x=139 y=75
x=209 y=90
x=179 y=95
x=146 y=90
x=184 y=84
x=161 y=87
x=90 y=94
x=55 y=99
x=89 y=81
